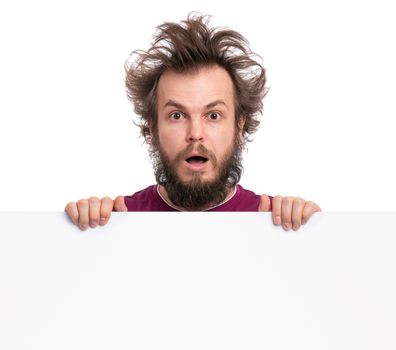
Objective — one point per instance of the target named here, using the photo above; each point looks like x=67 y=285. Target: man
x=198 y=93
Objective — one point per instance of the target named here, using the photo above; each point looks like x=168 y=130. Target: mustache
x=199 y=148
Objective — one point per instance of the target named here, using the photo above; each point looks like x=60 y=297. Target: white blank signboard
x=198 y=281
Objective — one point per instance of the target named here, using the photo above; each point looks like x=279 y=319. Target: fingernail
x=295 y=227
x=286 y=226
x=102 y=221
x=93 y=224
x=83 y=227
x=278 y=220
x=303 y=222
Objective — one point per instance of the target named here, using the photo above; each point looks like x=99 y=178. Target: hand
x=93 y=211
x=291 y=212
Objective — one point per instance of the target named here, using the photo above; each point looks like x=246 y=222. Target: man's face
x=196 y=135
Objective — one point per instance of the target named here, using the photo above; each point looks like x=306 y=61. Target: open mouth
x=196 y=160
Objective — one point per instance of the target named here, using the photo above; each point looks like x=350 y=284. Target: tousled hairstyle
x=187 y=47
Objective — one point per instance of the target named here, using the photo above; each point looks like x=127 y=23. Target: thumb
x=265 y=203
x=119 y=204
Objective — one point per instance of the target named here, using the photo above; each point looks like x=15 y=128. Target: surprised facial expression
x=196 y=122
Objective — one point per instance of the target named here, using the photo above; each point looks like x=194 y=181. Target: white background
x=327 y=132
x=157 y=281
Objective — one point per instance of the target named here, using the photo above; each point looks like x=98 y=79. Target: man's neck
x=164 y=195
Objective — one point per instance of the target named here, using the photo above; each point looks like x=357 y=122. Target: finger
x=119 y=204
x=309 y=209
x=105 y=210
x=276 y=209
x=94 y=211
x=71 y=210
x=287 y=206
x=83 y=213
x=297 y=212
x=265 y=203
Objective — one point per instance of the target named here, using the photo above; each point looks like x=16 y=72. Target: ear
x=150 y=129
x=151 y=133
x=242 y=121
x=241 y=124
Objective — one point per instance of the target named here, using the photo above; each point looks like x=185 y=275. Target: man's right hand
x=93 y=211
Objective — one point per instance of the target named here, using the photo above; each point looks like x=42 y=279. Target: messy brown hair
x=186 y=47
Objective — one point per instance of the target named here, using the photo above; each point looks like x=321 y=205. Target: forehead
x=196 y=89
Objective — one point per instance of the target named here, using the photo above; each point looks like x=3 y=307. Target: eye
x=176 y=116
x=214 y=116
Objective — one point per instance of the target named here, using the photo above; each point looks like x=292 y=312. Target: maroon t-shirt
x=150 y=200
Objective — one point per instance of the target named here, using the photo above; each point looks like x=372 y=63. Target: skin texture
x=196 y=116
x=195 y=108
x=183 y=118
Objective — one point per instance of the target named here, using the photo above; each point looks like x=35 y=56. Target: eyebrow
x=173 y=103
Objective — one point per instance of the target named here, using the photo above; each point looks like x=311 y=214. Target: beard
x=197 y=194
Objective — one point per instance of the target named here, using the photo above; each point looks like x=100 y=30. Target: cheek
x=171 y=141
x=222 y=141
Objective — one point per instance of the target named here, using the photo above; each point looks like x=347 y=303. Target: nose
x=195 y=130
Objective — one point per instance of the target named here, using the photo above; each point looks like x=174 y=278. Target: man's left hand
x=290 y=212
